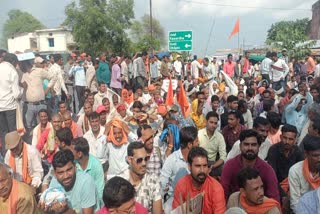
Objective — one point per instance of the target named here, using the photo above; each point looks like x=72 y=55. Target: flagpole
x=239 y=42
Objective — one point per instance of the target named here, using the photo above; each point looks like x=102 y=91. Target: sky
x=200 y=16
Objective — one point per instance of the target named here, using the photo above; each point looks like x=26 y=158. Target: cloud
x=195 y=8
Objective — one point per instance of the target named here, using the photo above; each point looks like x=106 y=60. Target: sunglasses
x=139 y=160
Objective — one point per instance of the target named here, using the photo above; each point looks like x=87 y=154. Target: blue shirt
x=297 y=118
x=174 y=168
x=83 y=193
x=94 y=169
x=79 y=75
x=309 y=203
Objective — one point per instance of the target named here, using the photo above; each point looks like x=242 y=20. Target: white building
x=42 y=41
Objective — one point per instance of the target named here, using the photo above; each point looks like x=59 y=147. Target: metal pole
x=151 y=33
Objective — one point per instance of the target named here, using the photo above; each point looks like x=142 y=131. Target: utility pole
x=151 y=28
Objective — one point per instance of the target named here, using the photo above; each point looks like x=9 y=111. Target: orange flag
x=183 y=101
x=169 y=98
x=236 y=29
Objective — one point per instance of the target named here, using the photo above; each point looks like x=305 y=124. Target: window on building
x=51 y=42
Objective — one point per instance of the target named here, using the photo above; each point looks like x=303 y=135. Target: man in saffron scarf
x=24 y=160
x=116 y=148
x=304 y=176
x=196 y=114
x=15 y=197
x=73 y=126
x=251 y=196
x=47 y=145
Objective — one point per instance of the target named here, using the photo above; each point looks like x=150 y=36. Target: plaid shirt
x=148 y=191
x=231 y=136
x=155 y=162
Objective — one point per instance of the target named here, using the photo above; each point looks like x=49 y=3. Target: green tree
x=99 y=25
x=141 y=36
x=292 y=35
x=19 y=22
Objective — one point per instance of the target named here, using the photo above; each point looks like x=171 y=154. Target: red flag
x=236 y=29
x=183 y=100
x=169 y=98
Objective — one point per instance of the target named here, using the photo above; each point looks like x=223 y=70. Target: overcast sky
x=256 y=17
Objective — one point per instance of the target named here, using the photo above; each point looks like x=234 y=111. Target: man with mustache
x=283 y=155
x=199 y=181
x=147 y=185
x=304 y=176
x=261 y=126
x=251 y=196
x=249 y=147
x=78 y=187
x=15 y=197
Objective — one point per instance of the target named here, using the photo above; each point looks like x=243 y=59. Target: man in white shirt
x=10 y=92
x=265 y=67
x=177 y=67
x=279 y=71
x=56 y=70
x=195 y=67
x=18 y=151
x=96 y=138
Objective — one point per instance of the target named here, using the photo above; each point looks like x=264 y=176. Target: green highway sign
x=180 y=40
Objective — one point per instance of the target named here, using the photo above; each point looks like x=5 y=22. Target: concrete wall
x=20 y=43
x=60 y=41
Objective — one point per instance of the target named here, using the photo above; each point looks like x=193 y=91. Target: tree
x=140 y=34
x=292 y=35
x=99 y=25
x=20 y=22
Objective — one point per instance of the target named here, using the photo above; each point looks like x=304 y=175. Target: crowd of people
x=149 y=133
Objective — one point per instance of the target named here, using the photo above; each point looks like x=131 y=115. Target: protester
x=249 y=146
x=24 y=160
x=78 y=186
x=199 y=182
x=119 y=196
x=146 y=184
x=16 y=196
x=251 y=196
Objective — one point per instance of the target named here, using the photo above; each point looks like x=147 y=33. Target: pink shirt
x=139 y=209
x=228 y=68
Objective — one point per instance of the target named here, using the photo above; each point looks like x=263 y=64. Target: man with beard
x=78 y=186
x=147 y=186
x=304 y=175
x=261 y=126
x=249 y=147
x=199 y=182
x=251 y=196
x=176 y=165
x=283 y=155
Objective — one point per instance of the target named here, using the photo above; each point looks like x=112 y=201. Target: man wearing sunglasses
x=146 y=184
x=146 y=136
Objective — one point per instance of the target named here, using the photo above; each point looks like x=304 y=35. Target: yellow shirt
x=213 y=145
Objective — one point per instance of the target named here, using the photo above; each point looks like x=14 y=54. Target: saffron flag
x=183 y=101
x=236 y=29
x=169 y=98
